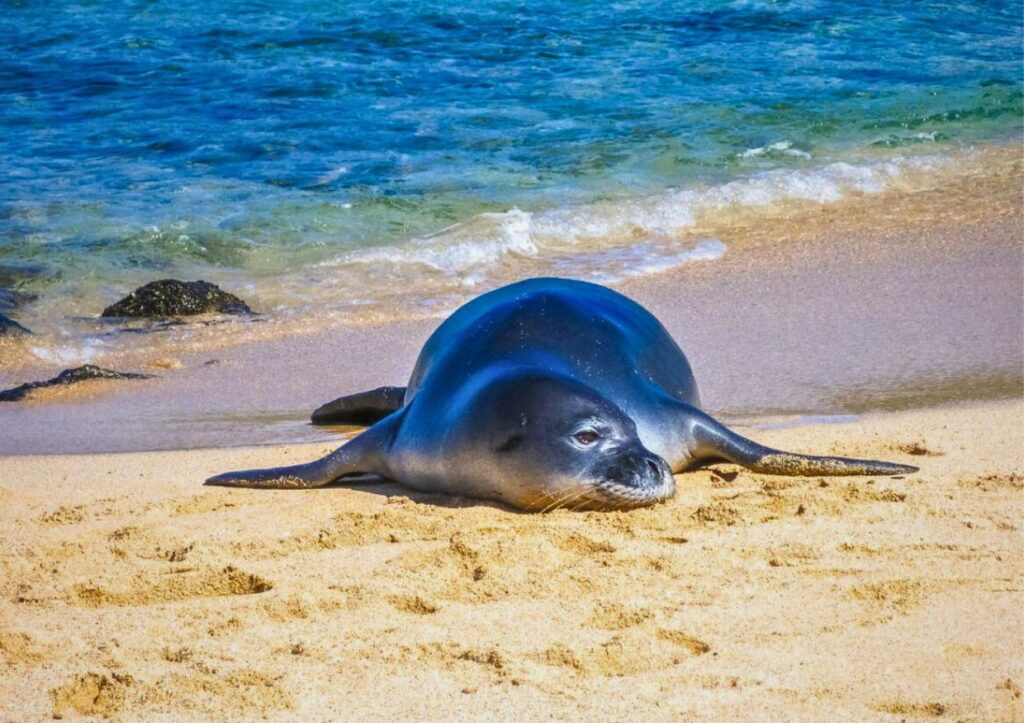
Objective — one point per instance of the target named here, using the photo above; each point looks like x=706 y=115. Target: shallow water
x=339 y=164
x=311 y=153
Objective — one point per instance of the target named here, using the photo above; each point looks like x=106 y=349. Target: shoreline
x=807 y=327
x=906 y=298
x=127 y=589
x=619 y=241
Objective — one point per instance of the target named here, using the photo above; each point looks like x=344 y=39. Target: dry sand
x=128 y=590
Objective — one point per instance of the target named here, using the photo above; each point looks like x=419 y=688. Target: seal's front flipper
x=713 y=441
x=364 y=454
x=363 y=408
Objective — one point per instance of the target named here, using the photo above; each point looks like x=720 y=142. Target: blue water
x=269 y=137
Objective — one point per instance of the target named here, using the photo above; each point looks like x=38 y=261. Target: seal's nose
x=661 y=473
x=640 y=469
x=650 y=471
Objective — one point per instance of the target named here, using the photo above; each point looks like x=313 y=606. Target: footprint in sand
x=63 y=515
x=103 y=507
x=916 y=449
x=899 y=594
x=915 y=710
x=244 y=693
x=155 y=588
x=205 y=503
x=149 y=543
x=627 y=653
x=791 y=555
x=615 y=616
x=91 y=694
x=241 y=694
x=995 y=482
x=20 y=648
x=888 y=598
x=413 y=604
x=445 y=655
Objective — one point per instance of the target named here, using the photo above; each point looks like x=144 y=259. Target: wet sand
x=876 y=319
x=128 y=590
x=891 y=300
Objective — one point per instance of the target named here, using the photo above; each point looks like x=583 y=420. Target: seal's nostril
x=653 y=466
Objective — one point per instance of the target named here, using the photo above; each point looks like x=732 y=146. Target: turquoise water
x=254 y=140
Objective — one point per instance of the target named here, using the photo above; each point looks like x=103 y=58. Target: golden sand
x=128 y=590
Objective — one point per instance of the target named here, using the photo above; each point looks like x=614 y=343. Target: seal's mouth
x=611 y=495
x=634 y=480
x=649 y=483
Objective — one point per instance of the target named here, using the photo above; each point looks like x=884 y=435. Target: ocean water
x=349 y=156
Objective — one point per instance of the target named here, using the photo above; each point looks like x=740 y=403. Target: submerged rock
x=14 y=274
x=69 y=376
x=170 y=297
x=9 y=327
x=13 y=299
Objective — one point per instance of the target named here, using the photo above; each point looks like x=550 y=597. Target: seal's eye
x=586 y=437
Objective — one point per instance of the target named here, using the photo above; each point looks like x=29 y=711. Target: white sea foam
x=330 y=176
x=621 y=238
x=466 y=249
x=781 y=147
x=620 y=263
x=69 y=354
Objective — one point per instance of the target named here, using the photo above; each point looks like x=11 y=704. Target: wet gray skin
x=547 y=393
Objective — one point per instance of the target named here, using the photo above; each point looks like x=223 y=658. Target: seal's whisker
x=557 y=500
x=583 y=503
x=572 y=496
x=585 y=493
x=618 y=505
x=564 y=499
x=541 y=498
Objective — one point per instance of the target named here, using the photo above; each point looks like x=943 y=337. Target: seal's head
x=555 y=442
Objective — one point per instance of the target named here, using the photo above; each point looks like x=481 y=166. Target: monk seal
x=542 y=394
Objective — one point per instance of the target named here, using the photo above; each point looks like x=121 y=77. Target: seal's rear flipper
x=715 y=442
x=364 y=454
x=363 y=408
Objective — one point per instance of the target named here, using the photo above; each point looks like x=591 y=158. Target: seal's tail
x=716 y=442
x=360 y=455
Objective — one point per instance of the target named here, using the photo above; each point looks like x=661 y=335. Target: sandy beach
x=822 y=205
x=129 y=591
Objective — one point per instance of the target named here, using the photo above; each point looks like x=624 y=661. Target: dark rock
x=13 y=274
x=364 y=408
x=13 y=299
x=170 y=297
x=69 y=376
x=9 y=327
